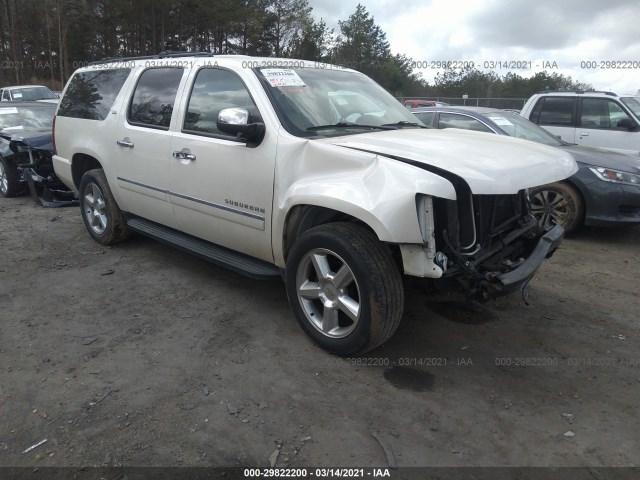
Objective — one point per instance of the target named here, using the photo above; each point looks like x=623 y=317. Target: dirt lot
x=142 y=355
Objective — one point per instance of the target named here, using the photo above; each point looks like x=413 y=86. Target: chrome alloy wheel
x=4 y=180
x=95 y=209
x=550 y=208
x=328 y=293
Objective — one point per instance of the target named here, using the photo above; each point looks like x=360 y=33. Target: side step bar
x=238 y=262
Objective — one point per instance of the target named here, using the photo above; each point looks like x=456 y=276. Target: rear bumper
x=62 y=167
x=505 y=283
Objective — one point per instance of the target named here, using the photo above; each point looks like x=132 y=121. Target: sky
x=583 y=39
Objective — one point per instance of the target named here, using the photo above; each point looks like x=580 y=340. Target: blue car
x=605 y=191
x=25 y=154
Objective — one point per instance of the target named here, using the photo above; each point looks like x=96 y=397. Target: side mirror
x=627 y=123
x=235 y=121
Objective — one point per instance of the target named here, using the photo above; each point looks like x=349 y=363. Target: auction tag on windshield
x=8 y=111
x=282 y=77
x=17 y=95
x=500 y=121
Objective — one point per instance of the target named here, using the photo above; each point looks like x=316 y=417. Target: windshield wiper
x=403 y=123
x=349 y=125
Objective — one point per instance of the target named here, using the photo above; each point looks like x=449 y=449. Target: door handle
x=584 y=134
x=125 y=142
x=180 y=155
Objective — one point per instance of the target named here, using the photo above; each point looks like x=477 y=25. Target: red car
x=423 y=103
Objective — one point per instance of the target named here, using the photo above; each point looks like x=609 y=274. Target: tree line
x=44 y=41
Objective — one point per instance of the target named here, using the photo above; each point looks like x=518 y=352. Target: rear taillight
x=53 y=134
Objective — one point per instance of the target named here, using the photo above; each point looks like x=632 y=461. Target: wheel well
x=80 y=164
x=304 y=217
x=569 y=183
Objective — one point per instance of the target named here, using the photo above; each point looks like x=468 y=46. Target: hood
x=40 y=139
x=490 y=164
x=599 y=157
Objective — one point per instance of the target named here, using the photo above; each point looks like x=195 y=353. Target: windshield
x=26 y=118
x=516 y=126
x=633 y=103
x=321 y=102
x=32 y=93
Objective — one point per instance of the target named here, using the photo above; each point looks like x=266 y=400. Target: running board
x=238 y=262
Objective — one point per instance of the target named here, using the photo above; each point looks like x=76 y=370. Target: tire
x=344 y=288
x=10 y=184
x=557 y=203
x=99 y=209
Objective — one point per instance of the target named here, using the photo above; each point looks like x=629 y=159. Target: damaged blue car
x=26 y=148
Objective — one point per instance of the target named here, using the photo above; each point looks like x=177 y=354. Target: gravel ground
x=141 y=355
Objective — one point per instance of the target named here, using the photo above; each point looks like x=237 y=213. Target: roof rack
x=163 y=54
x=580 y=91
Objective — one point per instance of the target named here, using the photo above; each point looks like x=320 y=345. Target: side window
x=425 y=117
x=601 y=113
x=452 y=120
x=4 y=97
x=154 y=97
x=557 y=111
x=213 y=90
x=90 y=95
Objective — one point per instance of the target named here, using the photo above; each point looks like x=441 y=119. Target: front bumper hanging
x=504 y=283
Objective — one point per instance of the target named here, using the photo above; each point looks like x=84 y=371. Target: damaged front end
x=32 y=155
x=489 y=245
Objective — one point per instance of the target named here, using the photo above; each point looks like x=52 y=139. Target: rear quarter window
x=90 y=95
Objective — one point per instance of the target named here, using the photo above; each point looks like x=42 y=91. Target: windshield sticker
x=17 y=95
x=8 y=111
x=501 y=121
x=282 y=77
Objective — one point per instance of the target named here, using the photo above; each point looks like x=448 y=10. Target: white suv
x=593 y=119
x=310 y=171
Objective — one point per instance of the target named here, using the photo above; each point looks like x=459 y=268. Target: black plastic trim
x=547 y=244
x=236 y=261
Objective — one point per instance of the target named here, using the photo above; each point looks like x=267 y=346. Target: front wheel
x=100 y=212
x=344 y=288
x=557 y=204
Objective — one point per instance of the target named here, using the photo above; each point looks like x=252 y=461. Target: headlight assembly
x=616 y=176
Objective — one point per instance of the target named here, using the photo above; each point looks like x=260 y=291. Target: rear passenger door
x=221 y=189
x=142 y=145
x=557 y=115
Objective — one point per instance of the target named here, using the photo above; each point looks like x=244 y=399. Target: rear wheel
x=344 y=288
x=10 y=184
x=100 y=212
x=557 y=204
